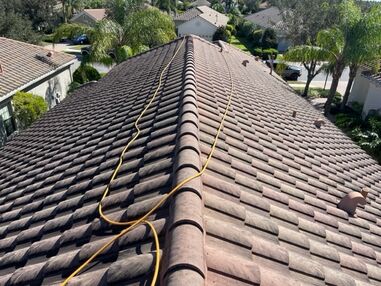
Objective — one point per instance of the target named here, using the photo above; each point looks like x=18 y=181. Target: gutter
x=8 y=95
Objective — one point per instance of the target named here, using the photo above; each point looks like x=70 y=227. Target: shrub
x=235 y=20
x=48 y=38
x=222 y=34
x=73 y=86
x=245 y=28
x=219 y=8
x=231 y=29
x=348 y=121
x=256 y=37
x=28 y=108
x=265 y=53
x=85 y=73
x=269 y=39
x=374 y=123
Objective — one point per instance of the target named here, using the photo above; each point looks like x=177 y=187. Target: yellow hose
x=143 y=219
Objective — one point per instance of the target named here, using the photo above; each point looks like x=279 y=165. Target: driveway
x=319 y=80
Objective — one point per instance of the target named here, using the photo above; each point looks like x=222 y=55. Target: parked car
x=80 y=40
x=290 y=72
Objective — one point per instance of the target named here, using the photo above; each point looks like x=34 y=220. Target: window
x=7 y=120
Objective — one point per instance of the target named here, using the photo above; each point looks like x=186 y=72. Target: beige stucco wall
x=373 y=99
x=359 y=89
x=55 y=88
x=198 y=27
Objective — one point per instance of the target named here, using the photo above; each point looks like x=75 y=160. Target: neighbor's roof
x=23 y=63
x=97 y=14
x=208 y=14
x=263 y=213
x=268 y=18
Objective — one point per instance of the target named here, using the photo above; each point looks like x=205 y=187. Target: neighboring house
x=263 y=213
x=34 y=69
x=366 y=90
x=271 y=18
x=89 y=16
x=199 y=3
x=201 y=21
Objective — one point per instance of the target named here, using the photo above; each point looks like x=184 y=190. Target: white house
x=34 y=69
x=271 y=18
x=366 y=90
x=201 y=21
x=89 y=16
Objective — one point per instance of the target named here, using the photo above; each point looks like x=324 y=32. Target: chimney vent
x=245 y=62
x=350 y=201
x=294 y=113
x=319 y=122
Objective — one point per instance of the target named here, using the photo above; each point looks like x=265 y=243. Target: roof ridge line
x=185 y=245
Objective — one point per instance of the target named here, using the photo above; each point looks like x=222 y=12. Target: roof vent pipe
x=350 y=201
x=319 y=122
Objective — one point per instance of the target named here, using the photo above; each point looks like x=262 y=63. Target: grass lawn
x=246 y=46
x=238 y=43
x=316 y=92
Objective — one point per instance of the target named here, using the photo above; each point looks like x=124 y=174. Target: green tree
x=311 y=57
x=109 y=42
x=94 y=4
x=149 y=27
x=218 y=7
x=112 y=42
x=118 y=10
x=165 y=5
x=86 y=73
x=355 y=40
x=28 y=108
x=40 y=13
x=17 y=27
x=364 y=45
x=222 y=34
x=303 y=19
x=269 y=39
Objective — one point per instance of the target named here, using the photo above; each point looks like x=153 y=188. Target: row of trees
x=122 y=35
x=28 y=20
x=353 y=40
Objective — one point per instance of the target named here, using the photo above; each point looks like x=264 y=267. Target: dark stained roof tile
x=267 y=200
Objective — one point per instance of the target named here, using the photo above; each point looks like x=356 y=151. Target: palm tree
x=327 y=69
x=311 y=57
x=113 y=42
x=365 y=47
x=109 y=43
x=351 y=43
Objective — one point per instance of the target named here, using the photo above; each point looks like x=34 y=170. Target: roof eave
x=24 y=86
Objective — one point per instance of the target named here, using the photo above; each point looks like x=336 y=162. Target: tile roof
x=268 y=18
x=97 y=14
x=22 y=63
x=208 y=14
x=263 y=213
